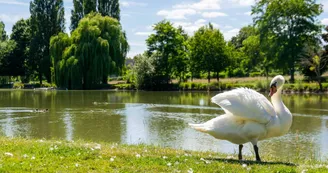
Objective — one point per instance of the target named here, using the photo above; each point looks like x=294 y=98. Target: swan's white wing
x=245 y=103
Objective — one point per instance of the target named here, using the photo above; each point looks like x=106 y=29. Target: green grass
x=259 y=85
x=23 y=155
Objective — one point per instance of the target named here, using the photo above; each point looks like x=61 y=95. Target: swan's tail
x=199 y=127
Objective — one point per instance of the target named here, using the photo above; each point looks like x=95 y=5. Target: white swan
x=249 y=116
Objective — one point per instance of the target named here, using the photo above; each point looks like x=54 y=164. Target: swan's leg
x=240 y=156
x=256 y=149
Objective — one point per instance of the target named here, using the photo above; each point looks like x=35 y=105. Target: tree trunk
x=40 y=78
x=292 y=71
x=217 y=76
x=267 y=76
x=104 y=80
x=319 y=82
x=209 y=76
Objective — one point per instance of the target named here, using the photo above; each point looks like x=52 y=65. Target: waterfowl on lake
x=249 y=116
x=41 y=110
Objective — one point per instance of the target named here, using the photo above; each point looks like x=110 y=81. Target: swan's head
x=276 y=84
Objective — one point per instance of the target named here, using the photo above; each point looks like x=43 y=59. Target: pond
x=159 y=118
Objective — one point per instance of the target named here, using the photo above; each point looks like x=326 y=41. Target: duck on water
x=249 y=116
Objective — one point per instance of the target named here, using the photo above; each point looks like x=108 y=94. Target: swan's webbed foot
x=256 y=149
x=240 y=156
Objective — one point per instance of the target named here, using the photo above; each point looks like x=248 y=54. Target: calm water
x=158 y=118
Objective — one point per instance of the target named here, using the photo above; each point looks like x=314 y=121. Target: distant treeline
x=285 y=38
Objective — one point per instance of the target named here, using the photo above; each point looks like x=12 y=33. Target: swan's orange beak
x=273 y=90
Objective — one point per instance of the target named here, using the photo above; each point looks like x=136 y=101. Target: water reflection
x=158 y=118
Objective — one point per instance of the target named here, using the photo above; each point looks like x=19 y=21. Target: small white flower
x=164 y=157
x=111 y=159
x=169 y=164
x=249 y=168
x=176 y=163
x=190 y=170
x=202 y=159
x=33 y=158
x=41 y=140
x=25 y=156
x=244 y=165
x=9 y=154
x=98 y=147
x=51 y=149
x=78 y=154
x=207 y=162
x=138 y=155
x=186 y=154
x=304 y=171
x=229 y=157
x=77 y=165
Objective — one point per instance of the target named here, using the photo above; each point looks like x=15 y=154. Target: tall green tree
x=83 y=7
x=47 y=19
x=242 y=35
x=314 y=59
x=21 y=34
x=169 y=45
x=289 y=24
x=144 y=70
x=6 y=54
x=3 y=35
x=96 y=49
x=208 y=49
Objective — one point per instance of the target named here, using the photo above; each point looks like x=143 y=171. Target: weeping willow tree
x=96 y=49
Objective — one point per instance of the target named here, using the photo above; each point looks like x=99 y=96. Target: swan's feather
x=246 y=104
x=200 y=127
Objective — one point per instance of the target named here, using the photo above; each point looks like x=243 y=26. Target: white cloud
x=229 y=34
x=200 y=21
x=11 y=18
x=325 y=5
x=177 y=13
x=133 y=3
x=324 y=21
x=14 y=2
x=227 y=27
x=244 y=2
x=213 y=14
x=191 y=27
x=143 y=33
x=248 y=13
x=201 y=5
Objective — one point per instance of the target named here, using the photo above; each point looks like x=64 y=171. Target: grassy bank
x=259 y=85
x=21 y=155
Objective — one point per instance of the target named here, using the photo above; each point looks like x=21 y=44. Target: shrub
x=18 y=85
x=255 y=74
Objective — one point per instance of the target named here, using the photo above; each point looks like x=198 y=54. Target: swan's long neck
x=277 y=102
x=283 y=114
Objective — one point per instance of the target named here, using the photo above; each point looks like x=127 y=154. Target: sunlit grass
x=22 y=155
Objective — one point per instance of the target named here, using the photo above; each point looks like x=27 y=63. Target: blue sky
x=138 y=16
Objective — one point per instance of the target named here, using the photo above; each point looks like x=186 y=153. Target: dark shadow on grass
x=251 y=162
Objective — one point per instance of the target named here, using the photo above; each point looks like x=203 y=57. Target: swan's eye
x=274 y=85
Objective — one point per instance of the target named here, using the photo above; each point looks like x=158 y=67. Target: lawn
x=33 y=155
